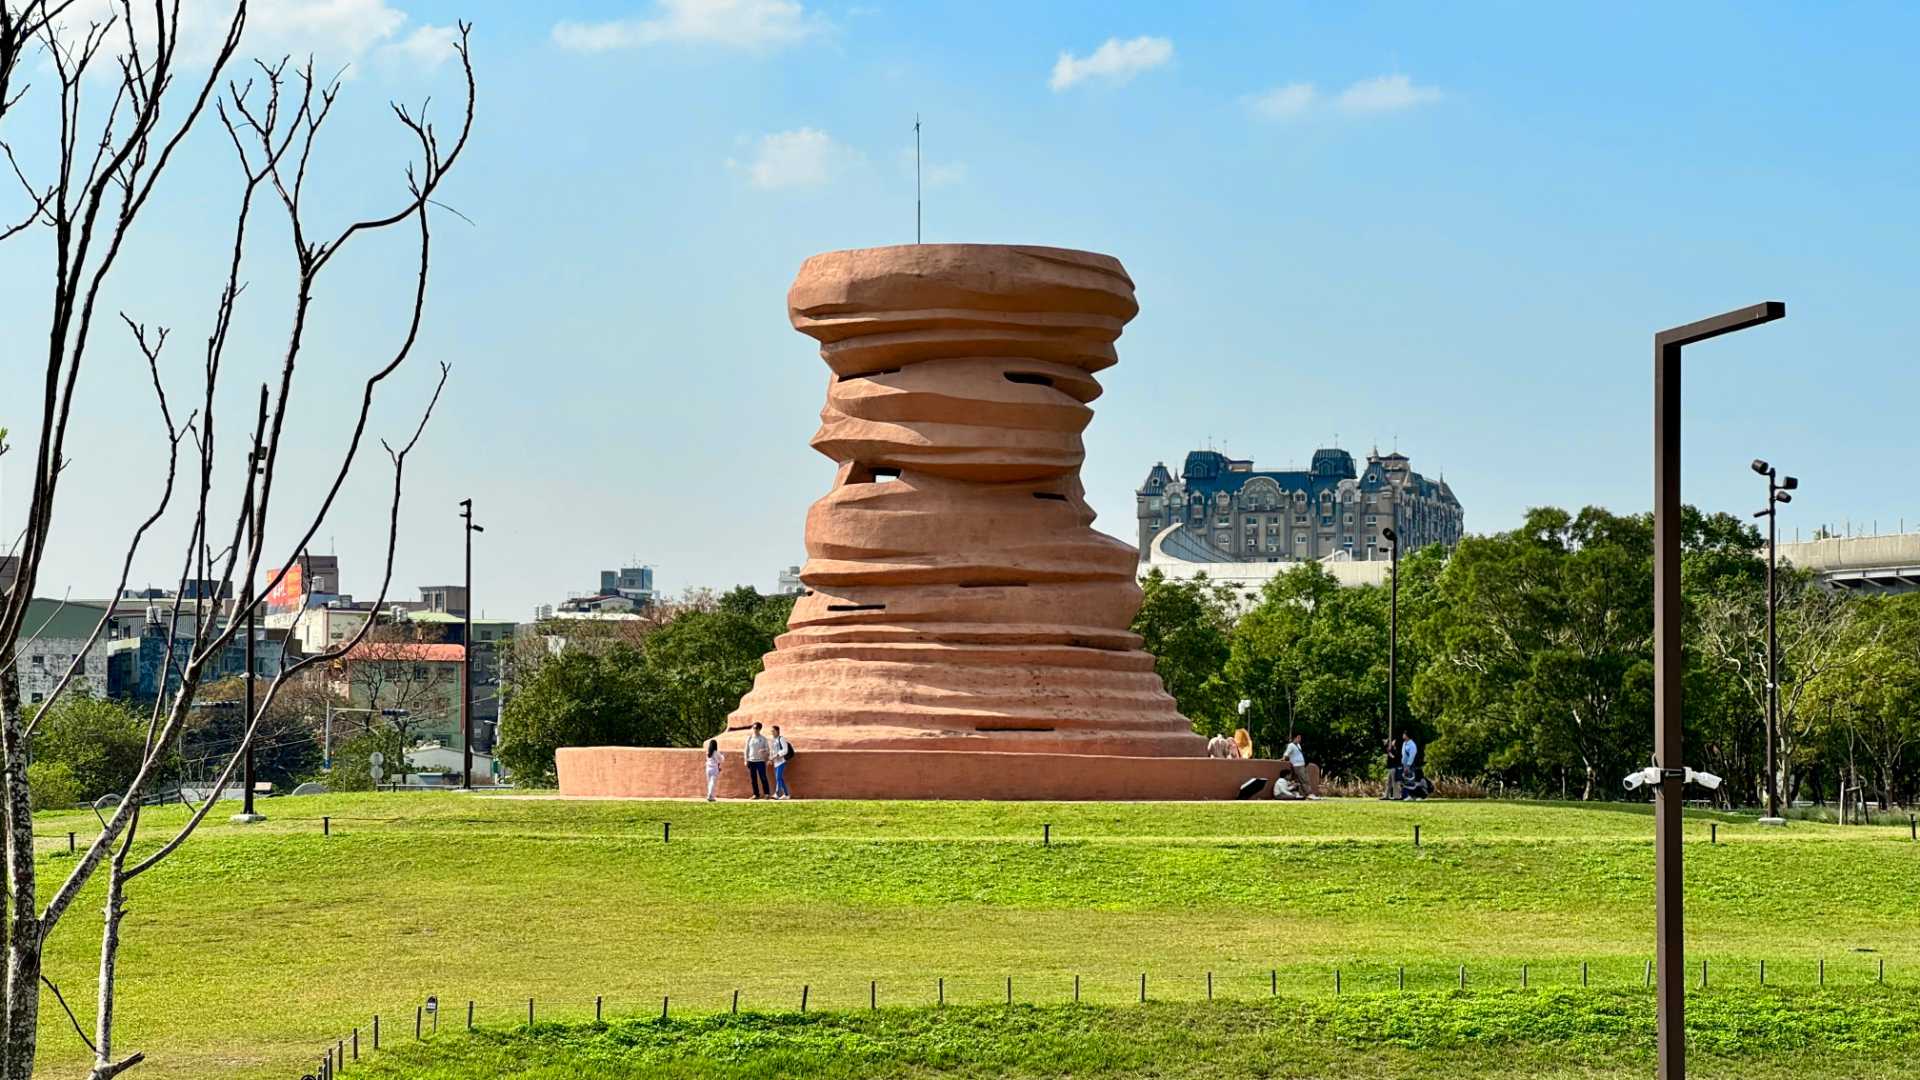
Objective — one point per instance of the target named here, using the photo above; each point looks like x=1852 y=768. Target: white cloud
x=803 y=157
x=427 y=47
x=333 y=32
x=1115 y=61
x=740 y=24
x=1385 y=93
x=1282 y=102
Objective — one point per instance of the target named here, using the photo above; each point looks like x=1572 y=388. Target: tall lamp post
x=256 y=464
x=1393 y=628
x=1669 y=897
x=1778 y=489
x=466 y=661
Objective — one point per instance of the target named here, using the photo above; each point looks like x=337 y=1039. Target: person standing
x=758 y=750
x=1393 y=769
x=713 y=767
x=781 y=751
x=1297 y=762
x=1409 y=755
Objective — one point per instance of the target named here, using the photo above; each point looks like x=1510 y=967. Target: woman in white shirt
x=781 y=751
x=713 y=766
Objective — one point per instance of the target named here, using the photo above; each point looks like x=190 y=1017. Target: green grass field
x=256 y=945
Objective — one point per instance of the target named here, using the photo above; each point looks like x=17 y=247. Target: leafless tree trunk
x=98 y=187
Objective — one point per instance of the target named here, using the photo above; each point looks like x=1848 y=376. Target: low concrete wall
x=632 y=772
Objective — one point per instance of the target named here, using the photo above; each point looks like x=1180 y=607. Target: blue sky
x=1454 y=226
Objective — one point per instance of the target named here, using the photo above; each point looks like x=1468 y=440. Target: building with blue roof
x=1221 y=509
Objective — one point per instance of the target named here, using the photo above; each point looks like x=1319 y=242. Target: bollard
x=1273 y=982
x=356 y=1044
x=1336 y=982
x=943 y=991
x=1403 y=976
x=1883 y=971
x=1703 y=974
x=340 y=1055
x=736 y=1003
x=1649 y=979
x=1583 y=973
x=529 y=1012
x=1143 y=987
x=1823 y=971
x=663 y=1009
x=596 y=1008
x=873 y=995
x=1913 y=826
x=1209 y=986
x=417 y=1013
x=803 y=997
x=1046 y=836
x=666 y=831
x=1714 y=836
x=1076 y=982
x=376 y=1031
x=1523 y=976
x=1416 y=836
x=1009 y=989
x=1763 y=973
x=70 y=849
x=469 y=1014
x=1463 y=976
x=326 y=826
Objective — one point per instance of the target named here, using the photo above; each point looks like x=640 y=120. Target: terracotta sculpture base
x=632 y=772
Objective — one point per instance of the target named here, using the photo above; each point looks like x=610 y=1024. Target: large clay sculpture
x=957 y=596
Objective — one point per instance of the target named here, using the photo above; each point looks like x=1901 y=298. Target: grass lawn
x=255 y=945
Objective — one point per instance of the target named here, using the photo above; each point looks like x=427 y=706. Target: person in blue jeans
x=780 y=752
x=756 y=755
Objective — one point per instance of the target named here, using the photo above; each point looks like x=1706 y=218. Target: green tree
x=353 y=759
x=581 y=697
x=705 y=661
x=54 y=786
x=100 y=740
x=286 y=748
x=1188 y=627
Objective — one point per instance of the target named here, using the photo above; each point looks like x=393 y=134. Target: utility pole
x=466 y=663
x=1777 y=493
x=916 y=178
x=256 y=463
x=1393 y=627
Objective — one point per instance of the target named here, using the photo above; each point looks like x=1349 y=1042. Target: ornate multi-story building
x=1222 y=509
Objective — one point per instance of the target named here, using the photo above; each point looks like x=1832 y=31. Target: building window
x=1348 y=520
x=1370 y=520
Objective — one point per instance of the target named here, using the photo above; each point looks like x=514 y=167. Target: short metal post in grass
x=1583 y=973
x=873 y=994
x=418 y=1013
x=1823 y=971
x=356 y=1044
x=1143 y=988
x=1523 y=976
x=1913 y=826
x=736 y=1003
x=70 y=847
x=596 y=1008
x=376 y=1031
x=666 y=832
x=943 y=991
x=1713 y=837
x=529 y=1012
x=340 y=1054
x=1076 y=982
x=1209 y=986
x=1403 y=976
x=1463 y=976
x=663 y=1008
x=1649 y=979
x=1046 y=836
x=1883 y=971
x=1763 y=972
x=469 y=1014
x=1416 y=836
x=1273 y=982
x=326 y=826
x=803 y=997
x=1336 y=982
x=1009 y=989
x=1703 y=974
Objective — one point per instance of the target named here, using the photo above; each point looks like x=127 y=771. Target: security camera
x=1704 y=779
x=1648 y=775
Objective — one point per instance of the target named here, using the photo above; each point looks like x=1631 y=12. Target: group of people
x=1403 y=770
x=761 y=753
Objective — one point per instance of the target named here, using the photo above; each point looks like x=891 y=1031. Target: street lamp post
x=256 y=464
x=466 y=661
x=1393 y=627
x=1669 y=898
x=1778 y=491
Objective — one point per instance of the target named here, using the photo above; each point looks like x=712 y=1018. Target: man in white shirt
x=1409 y=754
x=758 y=751
x=1297 y=762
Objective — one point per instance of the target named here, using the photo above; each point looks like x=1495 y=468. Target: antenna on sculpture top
x=916 y=178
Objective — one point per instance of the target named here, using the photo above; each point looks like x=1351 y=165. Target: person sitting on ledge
x=1222 y=747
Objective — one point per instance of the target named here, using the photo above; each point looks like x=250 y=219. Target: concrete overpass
x=1867 y=564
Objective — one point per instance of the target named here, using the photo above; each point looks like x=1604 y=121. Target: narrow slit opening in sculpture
x=856 y=607
x=1031 y=377
x=1054 y=495
x=872 y=474
x=867 y=374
